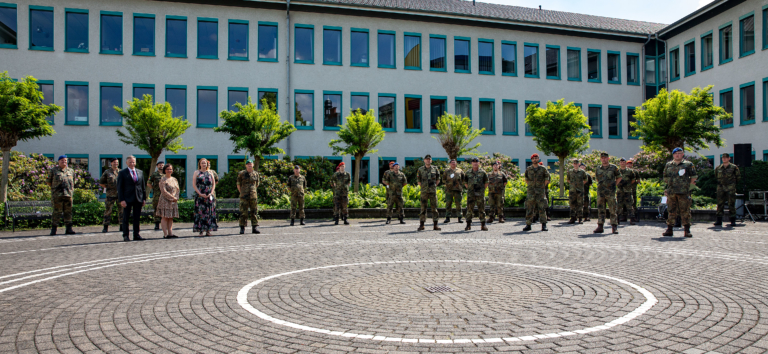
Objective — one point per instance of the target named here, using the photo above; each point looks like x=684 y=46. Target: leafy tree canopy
x=455 y=134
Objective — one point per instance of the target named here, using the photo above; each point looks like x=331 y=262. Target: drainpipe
x=288 y=72
x=666 y=60
x=645 y=69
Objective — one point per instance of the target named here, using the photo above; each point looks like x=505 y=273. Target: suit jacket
x=128 y=190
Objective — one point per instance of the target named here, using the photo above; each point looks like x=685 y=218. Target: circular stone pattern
x=490 y=301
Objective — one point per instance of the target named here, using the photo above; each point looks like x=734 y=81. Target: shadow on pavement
x=668 y=239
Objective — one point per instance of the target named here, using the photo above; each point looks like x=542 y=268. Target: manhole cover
x=438 y=289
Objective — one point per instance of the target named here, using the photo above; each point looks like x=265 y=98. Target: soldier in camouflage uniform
x=728 y=176
x=608 y=176
x=108 y=181
x=153 y=184
x=634 y=190
x=624 y=200
x=61 y=179
x=248 y=184
x=497 y=183
x=454 y=186
x=476 y=183
x=396 y=181
x=428 y=177
x=537 y=179
x=340 y=183
x=297 y=184
x=679 y=175
x=587 y=199
x=384 y=180
x=576 y=178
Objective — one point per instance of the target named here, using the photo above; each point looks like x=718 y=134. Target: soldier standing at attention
x=61 y=179
x=247 y=184
x=634 y=190
x=728 y=176
x=537 y=179
x=153 y=184
x=624 y=192
x=428 y=177
x=679 y=175
x=108 y=181
x=587 y=186
x=396 y=182
x=497 y=182
x=476 y=183
x=576 y=178
x=297 y=183
x=454 y=180
x=385 y=181
x=608 y=176
x=340 y=183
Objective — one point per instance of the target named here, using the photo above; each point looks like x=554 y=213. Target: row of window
x=747 y=45
x=747 y=103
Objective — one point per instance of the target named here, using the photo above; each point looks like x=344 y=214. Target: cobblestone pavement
x=375 y=288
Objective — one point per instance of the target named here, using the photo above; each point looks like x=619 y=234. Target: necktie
x=133 y=174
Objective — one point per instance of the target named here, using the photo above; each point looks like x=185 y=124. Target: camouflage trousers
x=62 y=206
x=576 y=202
x=390 y=201
x=155 y=201
x=297 y=202
x=624 y=203
x=726 y=194
x=535 y=203
x=679 y=205
x=340 y=204
x=587 y=204
x=634 y=200
x=496 y=202
x=606 y=200
x=249 y=209
x=472 y=201
x=452 y=198
x=396 y=202
x=109 y=204
x=430 y=198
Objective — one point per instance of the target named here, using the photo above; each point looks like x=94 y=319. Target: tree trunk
x=562 y=178
x=256 y=162
x=358 y=162
x=152 y=169
x=6 y=166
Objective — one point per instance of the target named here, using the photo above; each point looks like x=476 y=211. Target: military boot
x=436 y=228
x=292 y=221
x=460 y=220
x=670 y=232
x=615 y=229
x=623 y=218
x=447 y=220
x=573 y=220
x=719 y=221
x=157 y=226
x=69 y=230
x=469 y=225
x=121 y=227
x=544 y=227
x=421 y=226
x=733 y=221
x=242 y=230
x=678 y=223
x=527 y=227
x=389 y=219
x=301 y=221
x=482 y=226
x=335 y=220
x=490 y=220
x=580 y=222
x=501 y=220
x=535 y=219
x=587 y=218
x=401 y=220
x=599 y=229
x=53 y=230
x=105 y=229
x=687 y=229
x=345 y=220
x=255 y=230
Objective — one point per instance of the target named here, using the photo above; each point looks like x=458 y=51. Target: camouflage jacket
x=678 y=176
x=637 y=179
x=396 y=182
x=62 y=181
x=248 y=183
x=727 y=176
x=606 y=179
x=589 y=182
x=576 y=179
x=109 y=179
x=497 y=181
x=537 y=178
x=154 y=179
x=628 y=180
x=340 y=182
x=454 y=179
x=476 y=181
x=429 y=178
x=297 y=184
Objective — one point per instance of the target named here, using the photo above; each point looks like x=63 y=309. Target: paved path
x=375 y=288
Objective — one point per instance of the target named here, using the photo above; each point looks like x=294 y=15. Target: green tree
x=255 y=130
x=677 y=119
x=560 y=129
x=23 y=116
x=358 y=137
x=152 y=128
x=455 y=134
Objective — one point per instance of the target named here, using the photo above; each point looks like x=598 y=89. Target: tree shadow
x=670 y=239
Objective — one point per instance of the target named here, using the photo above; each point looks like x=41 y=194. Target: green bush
x=27 y=176
x=83 y=196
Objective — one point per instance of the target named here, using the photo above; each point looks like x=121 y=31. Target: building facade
x=319 y=60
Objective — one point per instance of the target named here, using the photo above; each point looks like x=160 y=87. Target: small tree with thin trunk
x=23 y=116
x=561 y=130
x=358 y=137
x=152 y=128
x=455 y=134
x=255 y=130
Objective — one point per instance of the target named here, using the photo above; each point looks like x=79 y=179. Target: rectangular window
x=662 y=71
x=690 y=58
x=207 y=107
x=707 y=52
x=595 y=114
x=111 y=95
x=747 y=35
x=650 y=71
x=176 y=36
x=207 y=38
x=528 y=104
x=46 y=87
x=485 y=56
x=553 y=62
x=77 y=103
x=305 y=107
x=412 y=49
x=332 y=45
x=461 y=52
x=463 y=107
x=111 y=33
x=674 y=64
x=78 y=161
x=508 y=58
x=412 y=113
x=359 y=100
x=331 y=110
x=139 y=90
x=176 y=96
x=387 y=111
x=143 y=34
x=593 y=66
x=386 y=49
x=238 y=40
x=267 y=41
x=726 y=101
x=487 y=116
x=304 y=44
x=9 y=24
x=76 y=24
x=631 y=119
x=531 y=58
x=747 y=100
x=614 y=67
x=358 y=47
x=437 y=107
x=574 y=64
x=726 y=43
x=509 y=117
x=40 y=28
x=633 y=69
x=236 y=95
x=437 y=53
x=365 y=170
x=267 y=94
x=614 y=122
x=765 y=27
x=765 y=99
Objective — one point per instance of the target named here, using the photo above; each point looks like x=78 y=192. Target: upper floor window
x=690 y=58
x=747 y=35
x=412 y=113
x=331 y=110
x=614 y=122
x=111 y=95
x=595 y=120
x=207 y=38
x=437 y=53
x=437 y=107
x=8 y=22
x=176 y=36
x=726 y=102
x=461 y=55
x=387 y=111
x=574 y=64
x=76 y=103
x=359 y=52
x=614 y=67
x=40 y=28
x=332 y=46
x=358 y=101
x=631 y=119
x=238 y=40
x=509 y=58
x=386 y=49
x=143 y=34
x=487 y=116
x=726 y=43
x=707 y=52
x=207 y=107
x=111 y=33
x=268 y=94
x=463 y=107
x=633 y=69
x=176 y=96
x=531 y=58
x=747 y=98
x=267 y=41
x=304 y=109
x=674 y=63
x=593 y=66
x=237 y=95
x=553 y=62
x=303 y=46
x=412 y=43
x=485 y=56
x=76 y=22
x=46 y=87
x=509 y=117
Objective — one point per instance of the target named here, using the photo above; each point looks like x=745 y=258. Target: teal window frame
x=599 y=134
x=703 y=51
x=514 y=67
x=237 y=89
x=367 y=47
x=87 y=30
x=269 y=89
x=197 y=106
x=525 y=110
x=516 y=131
x=277 y=44
x=629 y=127
x=367 y=96
x=66 y=102
x=341 y=109
x=469 y=54
x=538 y=60
x=421 y=113
x=688 y=70
x=637 y=69
x=53 y=25
x=235 y=158
x=445 y=50
x=421 y=46
x=394 y=113
x=765 y=27
x=730 y=43
x=247 y=39
x=51 y=118
x=352 y=166
x=618 y=66
x=577 y=49
x=493 y=115
x=311 y=92
x=742 y=103
x=186 y=36
x=599 y=79
x=11 y=6
x=742 y=51
x=463 y=99
x=184 y=87
x=618 y=123
x=765 y=155
x=445 y=98
x=341 y=45
x=312 y=45
x=135 y=86
x=765 y=99
x=101 y=31
x=209 y=20
x=394 y=49
x=720 y=98
x=154 y=35
x=674 y=65
x=101 y=102
x=559 y=65
x=493 y=56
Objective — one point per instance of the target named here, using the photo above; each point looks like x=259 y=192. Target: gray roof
x=507 y=12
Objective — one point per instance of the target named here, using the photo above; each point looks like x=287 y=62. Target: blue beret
x=676 y=150
x=62 y=157
x=395 y=164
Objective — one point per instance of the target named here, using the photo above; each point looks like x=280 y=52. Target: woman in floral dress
x=205 y=208
x=168 y=207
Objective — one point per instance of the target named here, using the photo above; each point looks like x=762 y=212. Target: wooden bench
x=27 y=210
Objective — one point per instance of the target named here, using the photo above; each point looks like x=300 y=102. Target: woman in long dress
x=168 y=207
x=205 y=208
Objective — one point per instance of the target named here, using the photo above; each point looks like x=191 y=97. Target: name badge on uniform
x=681 y=172
x=451 y=175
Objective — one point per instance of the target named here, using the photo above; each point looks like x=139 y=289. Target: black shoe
x=69 y=230
x=138 y=238
x=447 y=220
x=53 y=230
x=460 y=221
x=345 y=220
x=719 y=221
x=301 y=221
x=527 y=227
x=389 y=220
x=544 y=227
x=105 y=229
x=242 y=230
x=401 y=221
x=255 y=230
x=121 y=227
x=733 y=221
x=125 y=238
x=292 y=222
x=157 y=226
x=335 y=220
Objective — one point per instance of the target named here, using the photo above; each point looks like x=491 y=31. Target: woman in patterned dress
x=205 y=208
x=168 y=207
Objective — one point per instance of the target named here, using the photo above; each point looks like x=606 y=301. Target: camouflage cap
x=604 y=154
x=453 y=160
x=296 y=167
x=248 y=161
x=475 y=159
x=159 y=162
x=622 y=160
x=428 y=157
x=725 y=154
x=575 y=161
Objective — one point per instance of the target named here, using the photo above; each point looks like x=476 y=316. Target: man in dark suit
x=130 y=194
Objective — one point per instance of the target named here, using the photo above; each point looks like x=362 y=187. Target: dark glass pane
x=364 y=170
x=359 y=102
x=331 y=46
x=47 y=91
x=412 y=51
x=331 y=110
x=726 y=45
x=726 y=101
x=206 y=107
x=359 y=48
x=531 y=58
x=386 y=49
x=485 y=56
x=77 y=103
x=412 y=113
x=207 y=39
x=77 y=31
x=631 y=119
x=238 y=40
x=594 y=120
x=574 y=64
x=593 y=66
x=706 y=44
x=143 y=35
x=748 y=103
x=304 y=114
x=139 y=92
x=111 y=97
x=271 y=98
x=748 y=34
x=303 y=45
x=461 y=54
x=237 y=97
x=437 y=109
x=675 y=57
x=508 y=56
x=178 y=100
x=613 y=67
x=8 y=26
x=613 y=121
x=486 y=116
x=176 y=37
x=41 y=30
x=267 y=42
x=387 y=112
x=690 y=57
x=632 y=69
x=437 y=53
x=111 y=33
x=553 y=62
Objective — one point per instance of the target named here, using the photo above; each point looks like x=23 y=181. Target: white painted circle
x=650 y=301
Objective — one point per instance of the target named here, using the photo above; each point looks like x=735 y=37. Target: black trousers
x=134 y=207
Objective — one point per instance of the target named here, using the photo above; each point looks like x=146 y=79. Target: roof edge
x=704 y=9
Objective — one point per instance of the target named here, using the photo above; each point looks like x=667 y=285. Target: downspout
x=645 y=69
x=288 y=73
x=666 y=61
